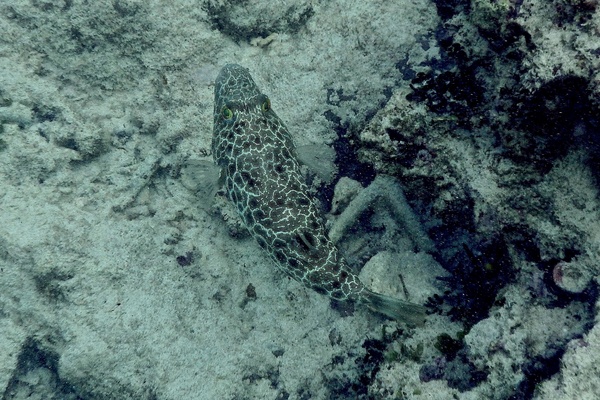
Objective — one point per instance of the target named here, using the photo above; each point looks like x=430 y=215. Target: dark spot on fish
x=310 y=238
x=241 y=127
x=229 y=185
x=278 y=243
x=279 y=168
x=252 y=183
x=267 y=222
x=254 y=162
x=280 y=256
x=260 y=231
x=293 y=263
x=258 y=214
x=238 y=180
x=249 y=217
x=261 y=242
x=336 y=285
x=319 y=289
x=300 y=243
x=291 y=203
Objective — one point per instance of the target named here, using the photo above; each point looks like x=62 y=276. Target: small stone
x=572 y=276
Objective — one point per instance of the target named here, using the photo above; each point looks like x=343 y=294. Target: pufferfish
x=262 y=175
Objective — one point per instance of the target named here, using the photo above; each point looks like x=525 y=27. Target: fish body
x=263 y=178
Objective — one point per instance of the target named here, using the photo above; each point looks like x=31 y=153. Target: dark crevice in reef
x=242 y=21
x=367 y=365
x=37 y=376
x=348 y=163
x=542 y=367
x=455 y=369
x=346 y=159
x=592 y=144
x=346 y=149
x=477 y=275
x=447 y=9
x=37 y=373
x=555 y=117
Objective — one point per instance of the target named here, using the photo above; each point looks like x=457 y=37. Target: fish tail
x=400 y=310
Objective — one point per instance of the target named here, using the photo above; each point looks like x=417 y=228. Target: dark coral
x=548 y=118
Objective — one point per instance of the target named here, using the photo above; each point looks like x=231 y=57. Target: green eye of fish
x=226 y=113
x=266 y=105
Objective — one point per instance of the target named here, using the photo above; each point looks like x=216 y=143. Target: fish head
x=243 y=117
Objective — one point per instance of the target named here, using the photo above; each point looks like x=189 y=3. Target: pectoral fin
x=320 y=159
x=203 y=178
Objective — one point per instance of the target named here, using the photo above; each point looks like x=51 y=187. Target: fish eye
x=226 y=113
x=266 y=105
